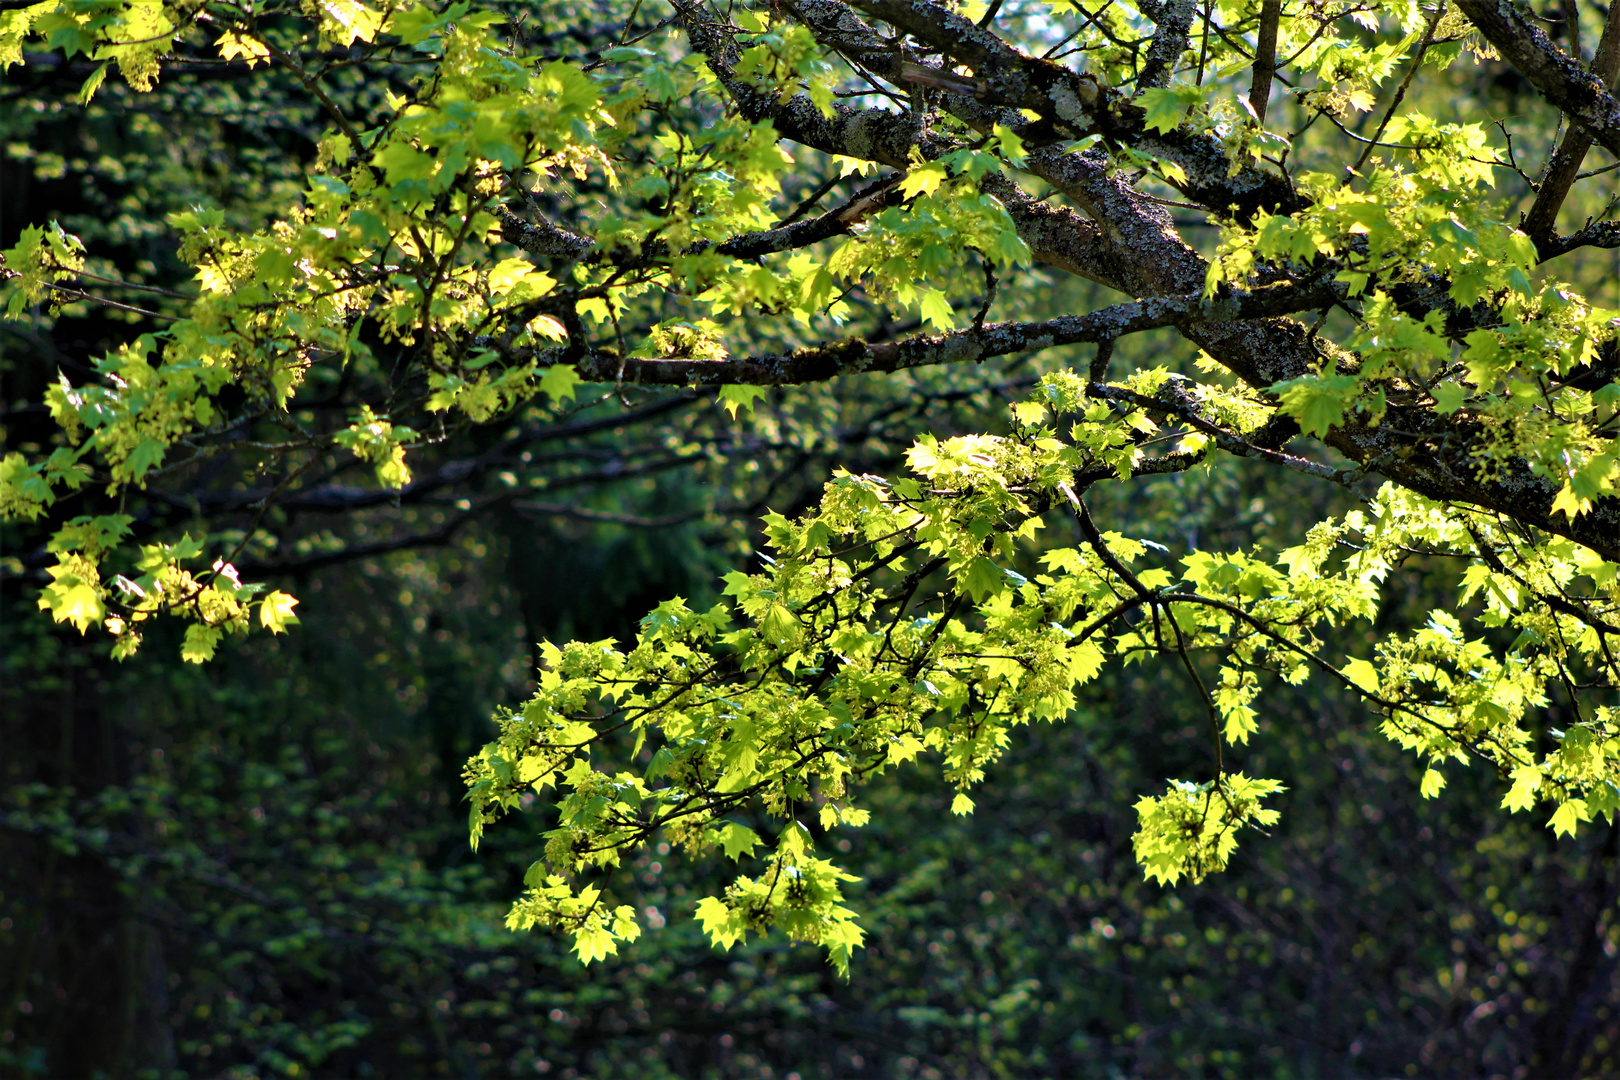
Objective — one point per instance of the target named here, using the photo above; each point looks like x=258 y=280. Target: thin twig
x=1400 y=92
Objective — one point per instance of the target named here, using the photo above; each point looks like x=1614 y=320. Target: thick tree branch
x=1078 y=105
x=1139 y=246
x=1057 y=237
x=866 y=134
x=1132 y=246
x=542 y=238
x=1566 y=164
x=1580 y=94
x=836 y=25
x=1135 y=247
x=1049 y=89
x=1432 y=458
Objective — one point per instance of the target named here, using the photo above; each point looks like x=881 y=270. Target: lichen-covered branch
x=853 y=357
x=1582 y=95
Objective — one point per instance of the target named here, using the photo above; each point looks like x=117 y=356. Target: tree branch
x=1603 y=234
x=1136 y=248
x=1566 y=164
x=867 y=134
x=1265 y=58
x=1174 y=19
x=1173 y=399
x=822 y=362
x=1077 y=105
x=1581 y=95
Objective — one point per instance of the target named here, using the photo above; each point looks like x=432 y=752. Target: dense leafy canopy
x=556 y=241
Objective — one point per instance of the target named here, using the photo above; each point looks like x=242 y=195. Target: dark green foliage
x=262 y=864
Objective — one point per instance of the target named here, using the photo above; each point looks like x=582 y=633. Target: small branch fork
x=1156 y=601
x=1162 y=600
x=1187 y=412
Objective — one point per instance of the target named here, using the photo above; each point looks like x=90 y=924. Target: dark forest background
x=259 y=867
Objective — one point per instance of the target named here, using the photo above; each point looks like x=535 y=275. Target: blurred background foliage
x=259 y=868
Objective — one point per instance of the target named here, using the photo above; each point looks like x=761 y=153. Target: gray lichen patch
x=1066 y=103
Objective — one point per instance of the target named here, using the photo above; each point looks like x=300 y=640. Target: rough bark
x=1562 y=80
x=1124 y=239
